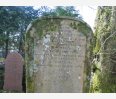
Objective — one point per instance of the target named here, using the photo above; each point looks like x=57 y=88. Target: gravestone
x=57 y=60
x=13 y=72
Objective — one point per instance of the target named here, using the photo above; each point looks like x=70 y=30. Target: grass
x=2 y=59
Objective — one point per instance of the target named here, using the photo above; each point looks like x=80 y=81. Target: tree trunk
x=21 y=41
x=7 y=42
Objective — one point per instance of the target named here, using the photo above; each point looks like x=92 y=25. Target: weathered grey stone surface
x=13 y=72
x=58 y=60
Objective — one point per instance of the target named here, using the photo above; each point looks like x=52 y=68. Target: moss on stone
x=81 y=27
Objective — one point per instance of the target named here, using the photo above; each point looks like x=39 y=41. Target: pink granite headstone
x=13 y=72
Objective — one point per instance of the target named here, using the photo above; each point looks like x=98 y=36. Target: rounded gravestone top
x=51 y=18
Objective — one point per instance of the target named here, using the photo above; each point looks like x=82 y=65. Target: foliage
x=102 y=84
x=60 y=11
x=13 y=23
x=2 y=59
x=104 y=80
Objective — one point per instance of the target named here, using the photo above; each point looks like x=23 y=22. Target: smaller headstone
x=13 y=72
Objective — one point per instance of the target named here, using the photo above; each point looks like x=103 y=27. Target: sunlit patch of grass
x=2 y=59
